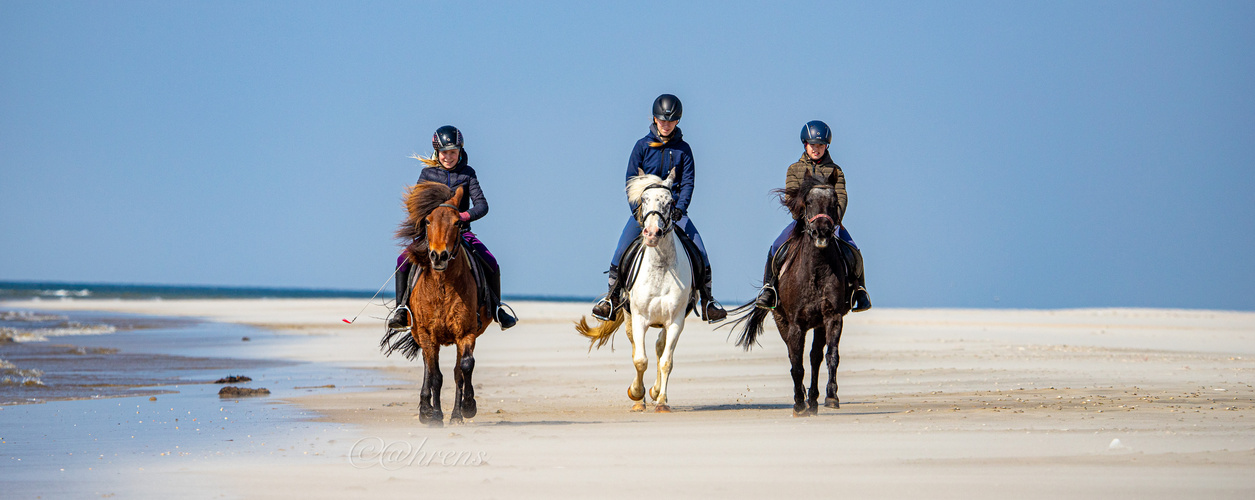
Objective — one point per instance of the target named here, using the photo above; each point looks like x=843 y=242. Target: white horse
x=661 y=293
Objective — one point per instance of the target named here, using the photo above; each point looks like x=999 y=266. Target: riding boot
x=767 y=296
x=606 y=307
x=713 y=309
x=400 y=317
x=503 y=318
x=860 y=300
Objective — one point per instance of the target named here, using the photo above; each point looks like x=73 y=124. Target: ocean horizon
x=17 y=290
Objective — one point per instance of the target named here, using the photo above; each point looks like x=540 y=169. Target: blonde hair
x=434 y=161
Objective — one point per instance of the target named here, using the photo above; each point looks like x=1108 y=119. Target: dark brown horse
x=811 y=290
x=444 y=303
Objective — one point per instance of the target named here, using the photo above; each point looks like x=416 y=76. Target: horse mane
x=794 y=198
x=638 y=183
x=420 y=199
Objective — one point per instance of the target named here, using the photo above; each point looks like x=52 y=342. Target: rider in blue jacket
x=661 y=150
x=448 y=166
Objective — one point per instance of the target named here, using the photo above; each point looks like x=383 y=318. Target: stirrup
x=775 y=297
x=706 y=314
x=409 y=316
x=513 y=316
x=869 y=299
x=604 y=299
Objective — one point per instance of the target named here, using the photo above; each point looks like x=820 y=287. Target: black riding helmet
x=816 y=132
x=668 y=108
x=446 y=138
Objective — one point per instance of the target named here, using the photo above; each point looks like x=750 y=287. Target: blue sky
x=998 y=154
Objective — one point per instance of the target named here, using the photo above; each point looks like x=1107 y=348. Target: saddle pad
x=630 y=266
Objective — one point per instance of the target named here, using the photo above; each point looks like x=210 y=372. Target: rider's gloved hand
x=676 y=214
x=464 y=217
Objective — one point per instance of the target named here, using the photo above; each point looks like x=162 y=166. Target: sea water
x=91 y=404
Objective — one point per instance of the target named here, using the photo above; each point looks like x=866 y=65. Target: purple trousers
x=404 y=263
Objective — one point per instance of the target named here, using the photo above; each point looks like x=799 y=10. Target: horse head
x=652 y=196
x=443 y=234
x=813 y=204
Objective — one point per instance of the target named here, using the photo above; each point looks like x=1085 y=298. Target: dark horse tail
x=750 y=324
x=399 y=340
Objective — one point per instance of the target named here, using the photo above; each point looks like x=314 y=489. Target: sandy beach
x=1101 y=403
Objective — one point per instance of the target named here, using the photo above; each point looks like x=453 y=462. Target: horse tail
x=750 y=324
x=399 y=340
x=599 y=335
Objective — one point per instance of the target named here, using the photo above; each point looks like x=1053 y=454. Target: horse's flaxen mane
x=420 y=199
x=637 y=184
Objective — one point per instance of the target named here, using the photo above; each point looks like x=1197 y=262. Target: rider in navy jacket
x=674 y=153
x=442 y=168
x=474 y=203
x=660 y=151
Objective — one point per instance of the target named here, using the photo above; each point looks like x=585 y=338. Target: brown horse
x=812 y=289
x=444 y=304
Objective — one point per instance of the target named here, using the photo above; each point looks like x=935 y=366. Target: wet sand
x=938 y=403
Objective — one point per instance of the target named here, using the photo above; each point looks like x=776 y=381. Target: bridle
x=810 y=228
x=454 y=255
x=810 y=223
x=667 y=224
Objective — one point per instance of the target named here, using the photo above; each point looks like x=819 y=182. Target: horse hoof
x=832 y=403
x=638 y=407
x=469 y=408
x=456 y=420
x=662 y=408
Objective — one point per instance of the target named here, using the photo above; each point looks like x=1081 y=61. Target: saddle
x=784 y=256
x=630 y=267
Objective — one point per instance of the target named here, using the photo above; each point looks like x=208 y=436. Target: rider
x=661 y=150
x=447 y=166
x=816 y=136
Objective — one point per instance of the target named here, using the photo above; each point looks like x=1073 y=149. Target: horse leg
x=658 y=347
x=429 y=407
x=672 y=333
x=796 y=340
x=817 y=357
x=636 y=391
x=466 y=364
x=459 y=386
x=834 y=358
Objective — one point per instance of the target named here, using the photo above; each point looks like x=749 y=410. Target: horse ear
x=640 y=171
x=456 y=200
x=671 y=177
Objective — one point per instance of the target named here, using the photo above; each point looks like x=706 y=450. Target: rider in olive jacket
x=817 y=136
